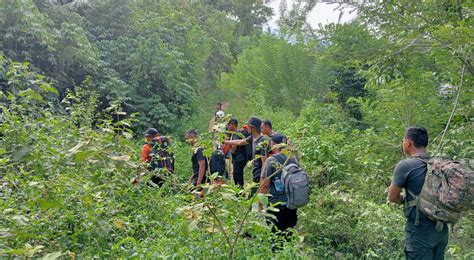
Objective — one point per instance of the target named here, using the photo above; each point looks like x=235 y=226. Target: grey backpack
x=296 y=183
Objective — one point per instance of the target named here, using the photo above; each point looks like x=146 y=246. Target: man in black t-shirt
x=271 y=183
x=422 y=241
x=199 y=161
x=258 y=142
x=239 y=158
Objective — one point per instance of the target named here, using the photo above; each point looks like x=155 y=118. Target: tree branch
x=454 y=109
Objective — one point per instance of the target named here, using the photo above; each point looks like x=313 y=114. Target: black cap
x=151 y=132
x=255 y=122
x=279 y=138
x=233 y=121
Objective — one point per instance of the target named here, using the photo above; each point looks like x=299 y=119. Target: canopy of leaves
x=155 y=57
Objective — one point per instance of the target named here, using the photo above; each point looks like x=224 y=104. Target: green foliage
x=276 y=71
x=67 y=192
x=364 y=228
x=155 y=57
x=415 y=77
x=343 y=94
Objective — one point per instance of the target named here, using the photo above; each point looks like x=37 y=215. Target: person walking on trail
x=155 y=154
x=422 y=240
x=198 y=160
x=258 y=142
x=239 y=158
x=218 y=115
x=285 y=218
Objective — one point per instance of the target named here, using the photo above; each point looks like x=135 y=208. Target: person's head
x=218 y=106
x=255 y=124
x=267 y=127
x=415 y=140
x=191 y=136
x=277 y=139
x=245 y=129
x=232 y=125
x=150 y=133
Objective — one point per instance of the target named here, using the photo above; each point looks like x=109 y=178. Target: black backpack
x=160 y=156
x=217 y=162
x=247 y=147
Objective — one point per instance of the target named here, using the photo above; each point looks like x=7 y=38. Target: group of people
x=255 y=142
x=258 y=143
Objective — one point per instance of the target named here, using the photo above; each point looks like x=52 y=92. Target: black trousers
x=285 y=219
x=238 y=173
x=157 y=180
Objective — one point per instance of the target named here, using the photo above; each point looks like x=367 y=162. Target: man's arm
x=267 y=170
x=239 y=142
x=400 y=174
x=395 y=194
x=202 y=171
x=264 y=159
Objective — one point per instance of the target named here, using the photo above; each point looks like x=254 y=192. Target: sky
x=323 y=13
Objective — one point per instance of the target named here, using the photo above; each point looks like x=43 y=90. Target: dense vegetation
x=81 y=80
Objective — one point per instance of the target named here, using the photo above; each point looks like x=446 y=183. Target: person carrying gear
x=423 y=240
x=156 y=155
x=272 y=183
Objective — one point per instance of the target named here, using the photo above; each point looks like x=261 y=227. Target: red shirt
x=146 y=150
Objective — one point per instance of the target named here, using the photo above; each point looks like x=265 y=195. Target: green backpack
x=448 y=189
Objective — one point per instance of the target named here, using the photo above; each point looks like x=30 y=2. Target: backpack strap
x=415 y=202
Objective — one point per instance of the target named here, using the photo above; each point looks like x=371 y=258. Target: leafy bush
x=363 y=228
x=66 y=190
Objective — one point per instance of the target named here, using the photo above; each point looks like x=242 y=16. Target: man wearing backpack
x=154 y=153
x=271 y=183
x=423 y=240
x=150 y=135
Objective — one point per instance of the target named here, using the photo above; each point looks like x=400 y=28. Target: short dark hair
x=418 y=135
x=267 y=122
x=233 y=121
x=192 y=132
